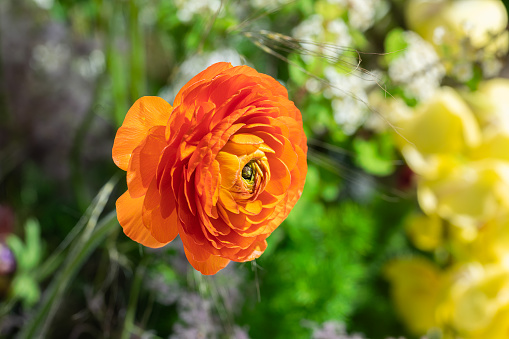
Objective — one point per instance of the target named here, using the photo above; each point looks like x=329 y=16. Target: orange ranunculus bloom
x=222 y=168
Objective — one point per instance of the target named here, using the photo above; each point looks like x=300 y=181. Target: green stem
x=116 y=64
x=137 y=55
x=133 y=299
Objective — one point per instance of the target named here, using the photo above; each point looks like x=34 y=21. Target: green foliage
x=395 y=44
x=312 y=275
x=28 y=257
x=375 y=156
x=475 y=80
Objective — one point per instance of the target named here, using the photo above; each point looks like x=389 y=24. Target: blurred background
x=403 y=227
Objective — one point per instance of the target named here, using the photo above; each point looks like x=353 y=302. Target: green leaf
x=477 y=77
x=26 y=289
x=395 y=44
x=27 y=255
x=296 y=74
x=375 y=156
x=32 y=253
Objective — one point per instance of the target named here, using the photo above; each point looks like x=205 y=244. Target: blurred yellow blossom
x=461 y=30
x=468 y=194
x=443 y=125
x=425 y=231
x=458 y=145
x=489 y=245
x=459 y=19
x=495 y=145
x=476 y=302
x=488 y=105
x=415 y=288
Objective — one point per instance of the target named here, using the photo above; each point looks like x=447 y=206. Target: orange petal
x=289 y=156
x=260 y=217
x=246 y=139
x=254 y=251
x=251 y=207
x=270 y=200
x=239 y=149
x=199 y=253
x=227 y=201
x=230 y=168
x=208 y=267
x=162 y=229
x=144 y=161
x=267 y=81
x=146 y=113
x=213 y=225
x=207 y=74
x=129 y=215
x=280 y=177
x=295 y=131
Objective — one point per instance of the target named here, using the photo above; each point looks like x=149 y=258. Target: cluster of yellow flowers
x=457 y=144
x=463 y=32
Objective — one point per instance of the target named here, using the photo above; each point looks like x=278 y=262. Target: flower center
x=247 y=172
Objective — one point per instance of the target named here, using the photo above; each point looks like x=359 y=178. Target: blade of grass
x=137 y=53
x=133 y=300
x=92 y=236
x=57 y=257
x=116 y=63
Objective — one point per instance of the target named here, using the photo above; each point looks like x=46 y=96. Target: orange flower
x=222 y=168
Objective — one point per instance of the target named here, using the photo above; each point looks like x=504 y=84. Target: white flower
x=50 y=57
x=188 y=8
x=314 y=34
x=418 y=68
x=362 y=14
x=349 y=99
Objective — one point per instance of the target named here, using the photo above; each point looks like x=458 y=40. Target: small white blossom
x=45 y=4
x=188 y=8
x=333 y=330
x=343 y=38
x=438 y=35
x=313 y=85
x=491 y=67
x=90 y=66
x=361 y=14
x=418 y=68
x=349 y=99
x=309 y=31
x=312 y=34
x=267 y=3
x=50 y=57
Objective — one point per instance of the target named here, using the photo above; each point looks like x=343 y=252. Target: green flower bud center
x=248 y=172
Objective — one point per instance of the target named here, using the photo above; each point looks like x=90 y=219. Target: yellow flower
x=491 y=243
x=425 y=231
x=489 y=104
x=495 y=145
x=415 y=287
x=444 y=125
x=476 y=302
x=467 y=194
x=453 y=26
